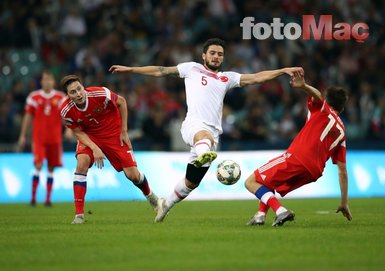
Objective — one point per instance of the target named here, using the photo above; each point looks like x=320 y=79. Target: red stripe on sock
x=263 y=207
x=274 y=203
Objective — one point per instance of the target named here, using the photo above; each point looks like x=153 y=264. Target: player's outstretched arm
x=263 y=76
x=343 y=180
x=157 y=71
x=298 y=81
x=122 y=106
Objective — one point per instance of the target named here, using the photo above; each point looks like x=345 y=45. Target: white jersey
x=205 y=91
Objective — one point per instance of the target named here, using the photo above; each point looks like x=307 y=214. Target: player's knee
x=194 y=174
x=249 y=181
x=83 y=164
x=251 y=184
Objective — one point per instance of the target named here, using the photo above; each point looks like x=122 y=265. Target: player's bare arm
x=97 y=152
x=343 y=180
x=23 y=132
x=156 y=71
x=122 y=106
x=263 y=76
x=298 y=81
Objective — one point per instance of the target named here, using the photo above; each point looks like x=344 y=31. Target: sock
x=35 y=184
x=80 y=189
x=202 y=146
x=49 y=187
x=181 y=191
x=143 y=185
x=263 y=208
x=266 y=196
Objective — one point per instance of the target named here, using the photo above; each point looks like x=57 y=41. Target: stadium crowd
x=87 y=37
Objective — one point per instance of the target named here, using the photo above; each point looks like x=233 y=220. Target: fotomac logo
x=325 y=29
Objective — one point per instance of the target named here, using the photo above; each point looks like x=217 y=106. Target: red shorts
x=119 y=156
x=283 y=174
x=52 y=152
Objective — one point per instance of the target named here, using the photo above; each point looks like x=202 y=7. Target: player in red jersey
x=98 y=117
x=322 y=137
x=43 y=109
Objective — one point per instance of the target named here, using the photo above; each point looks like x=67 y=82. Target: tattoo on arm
x=164 y=71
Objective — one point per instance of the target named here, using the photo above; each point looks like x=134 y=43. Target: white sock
x=181 y=191
x=259 y=213
x=202 y=146
x=280 y=210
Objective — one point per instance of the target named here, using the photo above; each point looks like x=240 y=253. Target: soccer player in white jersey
x=206 y=86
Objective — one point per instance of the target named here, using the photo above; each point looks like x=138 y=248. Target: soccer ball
x=228 y=172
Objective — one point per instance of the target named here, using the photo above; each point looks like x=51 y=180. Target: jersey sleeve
x=30 y=105
x=234 y=79
x=314 y=105
x=184 y=68
x=69 y=121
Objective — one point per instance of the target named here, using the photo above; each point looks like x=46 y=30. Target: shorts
x=52 y=152
x=192 y=126
x=283 y=174
x=119 y=156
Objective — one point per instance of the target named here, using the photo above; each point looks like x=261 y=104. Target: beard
x=212 y=67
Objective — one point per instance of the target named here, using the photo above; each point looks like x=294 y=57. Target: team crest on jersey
x=98 y=109
x=55 y=102
x=224 y=79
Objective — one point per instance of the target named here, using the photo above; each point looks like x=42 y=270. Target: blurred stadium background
x=87 y=37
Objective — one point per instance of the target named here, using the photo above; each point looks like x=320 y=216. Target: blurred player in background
x=42 y=108
x=322 y=137
x=98 y=118
x=206 y=86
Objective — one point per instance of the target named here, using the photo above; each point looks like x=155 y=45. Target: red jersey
x=322 y=137
x=45 y=109
x=100 y=118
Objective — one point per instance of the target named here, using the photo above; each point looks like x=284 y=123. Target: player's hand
x=124 y=139
x=345 y=211
x=297 y=80
x=119 y=69
x=292 y=70
x=98 y=157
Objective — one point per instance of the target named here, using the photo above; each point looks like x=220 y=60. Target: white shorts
x=192 y=126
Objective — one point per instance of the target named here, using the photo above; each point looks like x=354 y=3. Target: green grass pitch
x=196 y=235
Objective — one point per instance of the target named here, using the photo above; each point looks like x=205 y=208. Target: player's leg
x=35 y=182
x=38 y=151
x=140 y=181
x=49 y=186
x=182 y=189
x=266 y=196
x=203 y=146
x=80 y=186
x=85 y=159
x=54 y=159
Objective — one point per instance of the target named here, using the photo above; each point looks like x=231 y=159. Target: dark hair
x=67 y=80
x=214 y=41
x=336 y=97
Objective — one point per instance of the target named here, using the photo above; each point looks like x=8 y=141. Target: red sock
x=263 y=207
x=273 y=203
x=79 y=195
x=49 y=189
x=143 y=186
x=35 y=183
